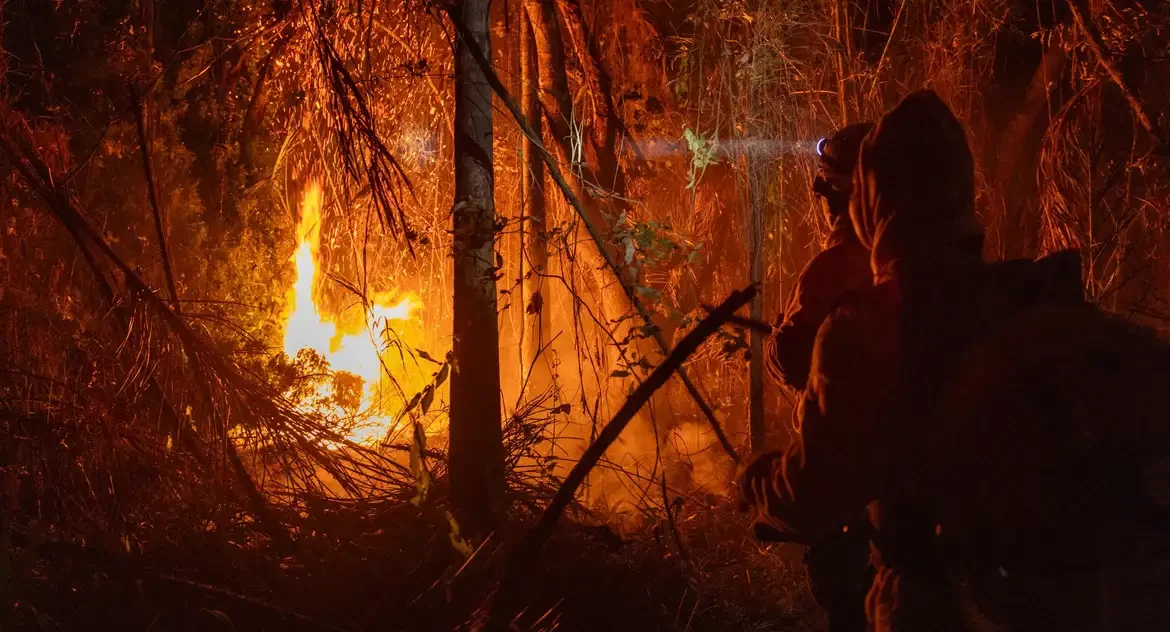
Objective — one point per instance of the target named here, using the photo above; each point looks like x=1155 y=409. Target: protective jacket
x=1006 y=439
x=841 y=268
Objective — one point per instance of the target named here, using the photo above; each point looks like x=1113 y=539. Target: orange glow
x=354 y=352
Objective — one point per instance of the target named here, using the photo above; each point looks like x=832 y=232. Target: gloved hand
x=755 y=478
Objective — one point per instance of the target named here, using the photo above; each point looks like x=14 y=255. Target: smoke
x=662 y=149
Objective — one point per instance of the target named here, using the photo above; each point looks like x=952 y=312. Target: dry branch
x=137 y=106
x=530 y=548
x=673 y=362
x=594 y=232
x=365 y=158
x=36 y=175
x=1085 y=24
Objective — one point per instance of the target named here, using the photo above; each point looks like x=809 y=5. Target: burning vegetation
x=412 y=315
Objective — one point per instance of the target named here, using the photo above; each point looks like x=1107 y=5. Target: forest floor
x=395 y=569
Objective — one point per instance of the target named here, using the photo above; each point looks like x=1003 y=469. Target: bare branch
x=531 y=547
x=1086 y=25
x=152 y=195
x=594 y=234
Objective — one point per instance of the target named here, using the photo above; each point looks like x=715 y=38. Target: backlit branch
x=1097 y=44
x=595 y=234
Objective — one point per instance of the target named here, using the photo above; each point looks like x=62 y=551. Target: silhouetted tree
x=476 y=451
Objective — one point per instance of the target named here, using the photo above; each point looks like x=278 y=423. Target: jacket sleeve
x=822 y=286
x=833 y=470
x=789 y=349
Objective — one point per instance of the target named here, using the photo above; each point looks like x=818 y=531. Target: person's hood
x=914 y=186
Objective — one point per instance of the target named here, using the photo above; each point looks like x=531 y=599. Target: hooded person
x=838 y=562
x=842 y=267
x=862 y=441
x=1007 y=439
x=1032 y=429
x=867 y=419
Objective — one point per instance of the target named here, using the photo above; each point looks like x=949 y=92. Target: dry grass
x=104 y=506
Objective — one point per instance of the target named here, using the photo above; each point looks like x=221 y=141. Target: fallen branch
x=594 y=232
x=746 y=323
x=522 y=560
x=1085 y=24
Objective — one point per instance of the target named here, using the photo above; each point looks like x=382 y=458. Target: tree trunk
x=1017 y=155
x=757 y=172
x=842 y=58
x=476 y=454
x=558 y=109
x=574 y=151
x=533 y=209
x=604 y=124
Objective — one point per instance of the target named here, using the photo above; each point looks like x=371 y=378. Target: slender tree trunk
x=1016 y=156
x=605 y=123
x=842 y=34
x=572 y=150
x=535 y=257
x=598 y=238
x=558 y=108
x=476 y=455
x=757 y=172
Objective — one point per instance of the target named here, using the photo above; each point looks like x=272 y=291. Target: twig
x=594 y=233
x=136 y=106
x=1085 y=24
x=670 y=521
x=755 y=325
x=530 y=548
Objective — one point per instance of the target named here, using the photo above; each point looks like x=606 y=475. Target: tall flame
x=354 y=352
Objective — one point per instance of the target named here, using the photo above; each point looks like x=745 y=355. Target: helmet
x=838 y=156
x=838 y=151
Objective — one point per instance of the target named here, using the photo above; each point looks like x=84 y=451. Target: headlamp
x=821 y=146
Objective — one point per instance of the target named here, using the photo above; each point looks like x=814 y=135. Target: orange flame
x=356 y=353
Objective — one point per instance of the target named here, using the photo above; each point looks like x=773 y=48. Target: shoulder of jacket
x=869 y=301
x=843 y=263
x=867 y=316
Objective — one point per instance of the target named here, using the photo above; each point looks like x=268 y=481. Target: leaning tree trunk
x=572 y=151
x=535 y=258
x=555 y=100
x=476 y=455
